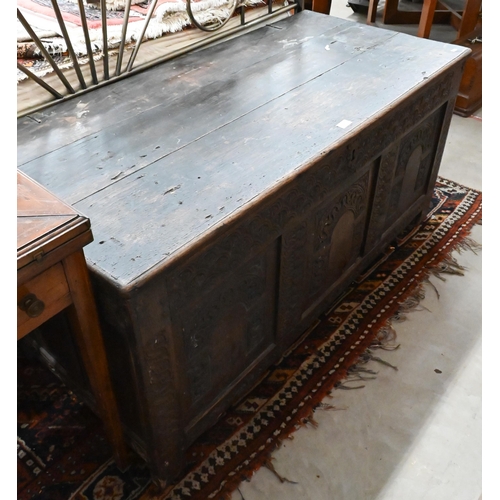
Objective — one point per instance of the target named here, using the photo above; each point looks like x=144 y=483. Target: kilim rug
x=62 y=450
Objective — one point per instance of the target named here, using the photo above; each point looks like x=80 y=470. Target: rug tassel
x=468 y=244
x=386 y=335
x=326 y=406
x=310 y=420
x=448 y=266
x=385 y=347
x=380 y=360
x=358 y=369
x=429 y=282
x=268 y=463
x=347 y=387
x=358 y=376
x=410 y=304
x=413 y=303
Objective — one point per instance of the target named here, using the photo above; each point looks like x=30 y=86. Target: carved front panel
x=319 y=251
x=415 y=160
x=338 y=236
x=227 y=328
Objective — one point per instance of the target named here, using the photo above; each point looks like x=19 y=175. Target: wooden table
x=51 y=277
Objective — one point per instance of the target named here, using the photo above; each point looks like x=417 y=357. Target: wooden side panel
x=124 y=360
x=417 y=151
x=404 y=177
x=227 y=328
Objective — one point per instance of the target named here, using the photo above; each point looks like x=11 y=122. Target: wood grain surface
x=179 y=149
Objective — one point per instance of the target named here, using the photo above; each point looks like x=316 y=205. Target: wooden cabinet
x=470 y=92
x=234 y=193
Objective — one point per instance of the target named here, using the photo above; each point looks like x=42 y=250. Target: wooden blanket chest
x=235 y=192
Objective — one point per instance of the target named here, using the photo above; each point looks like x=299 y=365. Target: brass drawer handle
x=32 y=305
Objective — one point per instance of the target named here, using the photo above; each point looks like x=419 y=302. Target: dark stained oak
x=234 y=193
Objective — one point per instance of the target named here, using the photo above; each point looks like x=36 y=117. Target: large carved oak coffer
x=234 y=193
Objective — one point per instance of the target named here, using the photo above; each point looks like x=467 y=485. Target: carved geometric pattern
x=229 y=322
x=266 y=415
x=425 y=137
x=354 y=200
x=199 y=272
x=380 y=203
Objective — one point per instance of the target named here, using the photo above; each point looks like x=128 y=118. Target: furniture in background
x=393 y=15
x=432 y=12
x=52 y=276
x=470 y=92
x=235 y=192
x=466 y=22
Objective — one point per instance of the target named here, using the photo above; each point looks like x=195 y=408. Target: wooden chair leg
x=372 y=11
x=322 y=6
x=470 y=17
x=426 y=18
x=391 y=12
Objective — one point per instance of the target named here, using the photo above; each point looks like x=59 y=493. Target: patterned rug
x=62 y=451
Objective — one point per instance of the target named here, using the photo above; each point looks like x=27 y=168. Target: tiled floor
x=411 y=434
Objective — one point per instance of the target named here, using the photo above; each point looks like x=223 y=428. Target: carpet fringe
x=433 y=286
x=411 y=303
x=468 y=244
x=386 y=336
x=385 y=340
x=269 y=465
x=326 y=406
x=447 y=266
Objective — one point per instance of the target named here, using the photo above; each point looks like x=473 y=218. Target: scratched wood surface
x=30 y=95
x=159 y=160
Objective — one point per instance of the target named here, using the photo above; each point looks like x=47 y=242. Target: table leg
x=85 y=326
x=322 y=6
x=391 y=9
x=372 y=11
x=426 y=18
x=470 y=17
